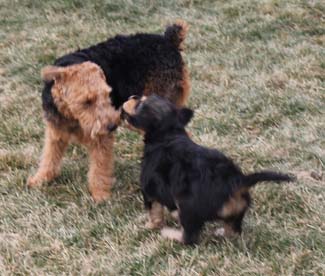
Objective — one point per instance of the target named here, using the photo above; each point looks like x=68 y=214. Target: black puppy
x=201 y=183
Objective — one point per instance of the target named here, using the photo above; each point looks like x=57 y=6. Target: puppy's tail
x=251 y=179
x=176 y=33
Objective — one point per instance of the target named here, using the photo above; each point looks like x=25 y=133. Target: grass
x=258 y=74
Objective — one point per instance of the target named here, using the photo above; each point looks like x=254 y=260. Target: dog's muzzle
x=111 y=127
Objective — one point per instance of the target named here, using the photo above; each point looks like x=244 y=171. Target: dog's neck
x=159 y=135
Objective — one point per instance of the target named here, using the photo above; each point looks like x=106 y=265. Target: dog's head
x=153 y=113
x=81 y=93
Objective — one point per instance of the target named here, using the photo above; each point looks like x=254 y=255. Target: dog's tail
x=176 y=33
x=252 y=179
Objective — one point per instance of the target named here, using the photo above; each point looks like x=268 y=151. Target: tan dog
x=85 y=89
x=81 y=95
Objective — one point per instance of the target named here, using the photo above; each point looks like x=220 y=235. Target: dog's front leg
x=156 y=216
x=54 y=147
x=100 y=172
x=191 y=227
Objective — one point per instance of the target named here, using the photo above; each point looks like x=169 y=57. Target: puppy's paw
x=154 y=224
x=172 y=234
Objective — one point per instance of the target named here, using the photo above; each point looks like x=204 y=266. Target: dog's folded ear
x=185 y=115
x=50 y=73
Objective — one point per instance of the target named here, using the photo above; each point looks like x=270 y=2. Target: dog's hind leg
x=55 y=144
x=192 y=229
x=232 y=226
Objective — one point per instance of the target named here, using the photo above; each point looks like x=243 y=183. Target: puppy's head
x=154 y=112
x=81 y=93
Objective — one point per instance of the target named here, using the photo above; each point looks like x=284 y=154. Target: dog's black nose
x=124 y=115
x=111 y=127
x=134 y=97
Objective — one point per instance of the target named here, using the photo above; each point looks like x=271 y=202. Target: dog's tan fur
x=156 y=216
x=182 y=87
x=81 y=95
x=130 y=105
x=235 y=205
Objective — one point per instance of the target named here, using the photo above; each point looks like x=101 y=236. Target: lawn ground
x=258 y=90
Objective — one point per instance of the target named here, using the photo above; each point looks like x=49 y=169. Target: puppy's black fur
x=132 y=64
x=202 y=183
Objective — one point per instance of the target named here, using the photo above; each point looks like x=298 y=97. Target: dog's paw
x=100 y=196
x=172 y=234
x=153 y=225
x=33 y=182
x=150 y=225
x=220 y=232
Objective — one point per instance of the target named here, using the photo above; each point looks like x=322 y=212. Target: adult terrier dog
x=201 y=184
x=84 y=90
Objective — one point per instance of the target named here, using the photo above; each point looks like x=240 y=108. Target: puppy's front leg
x=100 y=172
x=156 y=216
x=191 y=227
x=54 y=147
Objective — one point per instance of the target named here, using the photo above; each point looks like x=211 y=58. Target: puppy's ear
x=185 y=115
x=50 y=73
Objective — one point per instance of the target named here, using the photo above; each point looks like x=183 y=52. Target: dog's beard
x=95 y=130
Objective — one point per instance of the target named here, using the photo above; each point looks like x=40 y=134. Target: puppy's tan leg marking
x=54 y=147
x=234 y=206
x=100 y=177
x=156 y=216
x=226 y=231
x=173 y=234
x=175 y=215
x=229 y=231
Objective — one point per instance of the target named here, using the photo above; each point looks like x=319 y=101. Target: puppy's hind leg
x=54 y=147
x=232 y=227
